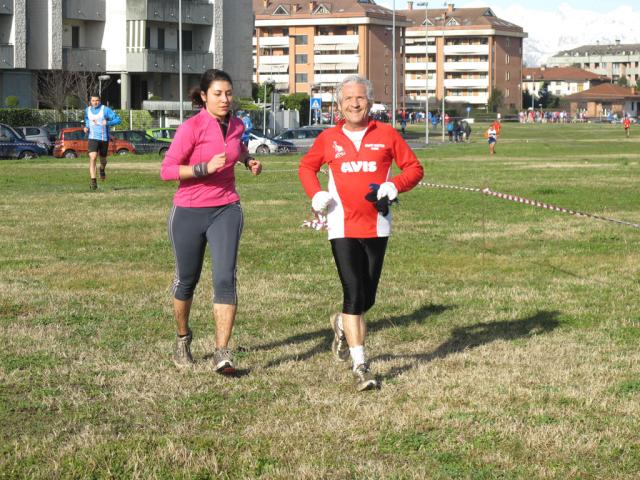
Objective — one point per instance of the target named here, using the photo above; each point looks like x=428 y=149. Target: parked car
x=72 y=142
x=262 y=145
x=142 y=141
x=36 y=134
x=300 y=137
x=13 y=145
x=162 y=134
x=55 y=127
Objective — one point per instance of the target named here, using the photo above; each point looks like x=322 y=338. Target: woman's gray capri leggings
x=190 y=229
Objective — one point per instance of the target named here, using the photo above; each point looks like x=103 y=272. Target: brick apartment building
x=470 y=52
x=310 y=46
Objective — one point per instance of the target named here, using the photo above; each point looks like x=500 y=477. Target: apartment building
x=310 y=46
x=462 y=54
x=13 y=31
x=560 y=81
x=612 y=60
x=135 y=43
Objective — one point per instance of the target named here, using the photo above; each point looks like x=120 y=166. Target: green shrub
x=12 y=101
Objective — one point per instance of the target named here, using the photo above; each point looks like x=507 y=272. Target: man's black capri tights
x=359 y=262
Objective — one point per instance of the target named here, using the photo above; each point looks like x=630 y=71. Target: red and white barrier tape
x=535 y=203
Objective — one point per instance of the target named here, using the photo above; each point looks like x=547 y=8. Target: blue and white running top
x=93 y=118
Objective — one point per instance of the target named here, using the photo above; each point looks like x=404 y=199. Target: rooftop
x=568 y=74
x=606 y=92
x=611 y=49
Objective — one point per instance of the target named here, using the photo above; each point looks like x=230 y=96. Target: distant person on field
x=626 y=123
x=248 y=127
x=492 y=136
x=467 y=131
x=97 y=120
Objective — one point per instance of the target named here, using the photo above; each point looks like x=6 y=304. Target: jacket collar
x=370 y=126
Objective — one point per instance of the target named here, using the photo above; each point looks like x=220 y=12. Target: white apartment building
x=613 y=60
x=135 y=42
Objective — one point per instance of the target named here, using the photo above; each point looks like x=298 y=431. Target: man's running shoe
x=93 y=185
x=182 y=353
x=363 y=378
x=223 y=361
x=103 y=174
x=339 y=346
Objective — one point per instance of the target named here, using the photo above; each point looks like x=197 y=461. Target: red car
x=72 y=142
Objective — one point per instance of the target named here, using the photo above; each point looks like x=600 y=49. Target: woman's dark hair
x=208 y=77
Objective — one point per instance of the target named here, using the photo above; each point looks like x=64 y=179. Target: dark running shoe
x=93 y=185
x=103 y=174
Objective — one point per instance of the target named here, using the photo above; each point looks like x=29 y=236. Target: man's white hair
x=355 y=79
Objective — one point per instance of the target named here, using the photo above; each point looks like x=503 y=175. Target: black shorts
x=100 y=146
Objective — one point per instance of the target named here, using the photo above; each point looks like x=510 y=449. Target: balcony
x=470 y=99
x=341 y=59
x=6 y=56
x=466 y=83
x=330 y=78
x=466 y=66
x=414 y=49
x=84 y=59
x=281 y=42
x=274 y=60
x=166 y=61
x=336 y=42
x=466 y=49
x=419 y=66
x=6 y=8
x=193 y=12
x=94 y=10
x=419 y=83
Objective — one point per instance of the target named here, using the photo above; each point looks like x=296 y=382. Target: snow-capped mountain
x=567 y=27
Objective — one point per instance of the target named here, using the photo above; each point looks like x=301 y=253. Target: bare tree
x=57 y=88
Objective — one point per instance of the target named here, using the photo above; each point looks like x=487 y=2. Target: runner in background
x=97 y=119
x=626 y=123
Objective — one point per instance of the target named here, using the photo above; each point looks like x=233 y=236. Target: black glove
x=382 y=204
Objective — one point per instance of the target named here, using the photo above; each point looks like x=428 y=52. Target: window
x=302 y=59
x=6 y=135
x=507 y=76
x=300 y=39
x=187 y=40
x=507 y=93
x=33 y=131
x=161 y=39
x=75 y=37
x=508 y=42
x=452 y=22
x=507 y=59
x=280 y=11
x=301 y=78
x=321 y=10
x=147 y=38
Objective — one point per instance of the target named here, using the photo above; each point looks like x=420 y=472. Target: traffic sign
x=316 y=103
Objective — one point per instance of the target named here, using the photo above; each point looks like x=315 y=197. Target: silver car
x=35 y=134
x=302 y=138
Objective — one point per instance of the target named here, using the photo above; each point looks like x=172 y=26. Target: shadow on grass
x=325 y=335
x=464 y=338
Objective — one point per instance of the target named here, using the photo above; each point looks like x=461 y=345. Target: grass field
x=506 y=337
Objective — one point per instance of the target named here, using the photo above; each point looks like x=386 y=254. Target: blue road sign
x=468 y=109
x=316 y=103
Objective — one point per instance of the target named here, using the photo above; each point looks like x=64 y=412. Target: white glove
x=320 y=201
x=389 y=190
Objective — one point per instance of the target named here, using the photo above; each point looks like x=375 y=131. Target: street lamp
x=426 y=70
x=264 y=106
x=102 y=78
x=180 y=58
x=393 y=64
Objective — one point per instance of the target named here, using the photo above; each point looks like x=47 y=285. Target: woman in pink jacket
x=206 y=210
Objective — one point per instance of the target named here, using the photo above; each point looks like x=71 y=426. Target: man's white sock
x=357 y=355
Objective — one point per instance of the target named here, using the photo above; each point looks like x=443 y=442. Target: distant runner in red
x=359 y=153
x=626 y=123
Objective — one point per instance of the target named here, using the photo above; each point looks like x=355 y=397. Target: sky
x=550 y=5
x=553 y=26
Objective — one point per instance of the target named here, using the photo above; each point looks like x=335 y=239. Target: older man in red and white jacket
x=359 y=153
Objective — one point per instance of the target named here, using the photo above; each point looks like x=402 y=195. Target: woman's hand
x=255 y=166
x=216 y=163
